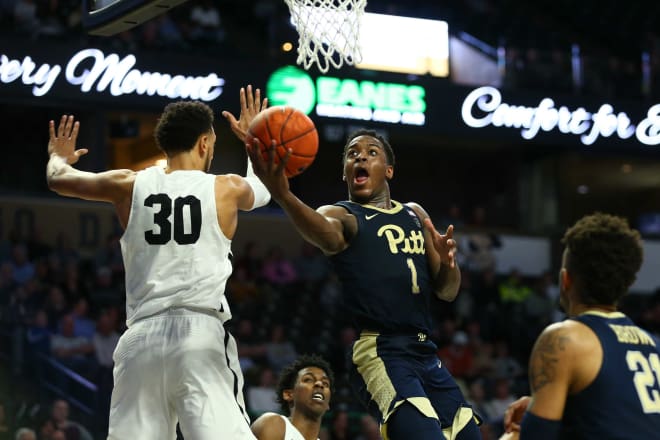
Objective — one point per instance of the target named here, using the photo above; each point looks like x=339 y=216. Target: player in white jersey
x=176 y=361
x=303 y=391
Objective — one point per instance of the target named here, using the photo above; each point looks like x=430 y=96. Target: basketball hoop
x=328 y=31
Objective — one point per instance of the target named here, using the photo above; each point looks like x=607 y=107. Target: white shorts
x=180 y=365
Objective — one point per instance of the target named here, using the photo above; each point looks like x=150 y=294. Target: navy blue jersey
x=384 y=271
x=623 y=402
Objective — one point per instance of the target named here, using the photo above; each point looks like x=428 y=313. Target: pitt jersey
x=384 y=272
x=623 y=402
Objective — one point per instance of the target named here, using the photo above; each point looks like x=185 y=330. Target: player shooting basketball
x=176 y=361
x=391 y=261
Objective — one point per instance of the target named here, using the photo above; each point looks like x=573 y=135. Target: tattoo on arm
x=544 y=363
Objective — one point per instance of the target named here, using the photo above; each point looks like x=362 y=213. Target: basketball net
x=328 y=31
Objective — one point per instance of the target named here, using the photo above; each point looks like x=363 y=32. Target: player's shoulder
x=421 y=212
x=566 y=338
x=269 y=425
x=335 y=211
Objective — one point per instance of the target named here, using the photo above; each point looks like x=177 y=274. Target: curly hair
x=289 y=374
x=389 y=152
x=604 y=254
x=181 y=124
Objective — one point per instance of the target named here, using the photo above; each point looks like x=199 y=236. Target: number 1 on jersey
x=413 y=273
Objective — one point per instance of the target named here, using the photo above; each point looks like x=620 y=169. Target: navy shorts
x=389 y=370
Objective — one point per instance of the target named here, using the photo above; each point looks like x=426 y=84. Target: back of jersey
x=175 y=254
x=623 y=402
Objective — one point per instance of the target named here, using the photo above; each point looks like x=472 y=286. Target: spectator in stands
x=7 y=282
x=339 y=428
x=277 y=268
x=279 y=350
x=110 y=256
x=369 y=428
x=263 y=397
x=83 y=325
x=499 y=402
x=505 y=365
x=25 y=434
x=22 y=267
x=250 y=348
x=38 y=339
x=513 y=293
x=104 y=293
x=458 y=356
x=105 y=341
x=72 y=351
x=250 y=261
x=59 y=416
x=311 y=265
x=55 y=307
x=206 y=23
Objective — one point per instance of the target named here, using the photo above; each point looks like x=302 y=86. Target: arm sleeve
x=261 y=194
x=537 y=428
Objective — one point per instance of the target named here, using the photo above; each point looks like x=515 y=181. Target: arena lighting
x=393 y=43
x=484 y=106
x=94 y=71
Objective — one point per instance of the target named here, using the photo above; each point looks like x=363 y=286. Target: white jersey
x=291 y=432
x=175 y=254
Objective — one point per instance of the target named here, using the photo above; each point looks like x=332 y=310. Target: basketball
x=291 y=129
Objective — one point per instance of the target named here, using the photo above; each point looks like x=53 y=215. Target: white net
x=328 y=31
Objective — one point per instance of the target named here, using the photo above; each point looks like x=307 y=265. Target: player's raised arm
x=251 y=105
x=326 y=228
x=110 y=186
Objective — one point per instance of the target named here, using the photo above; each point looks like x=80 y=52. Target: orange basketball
x=291 y=129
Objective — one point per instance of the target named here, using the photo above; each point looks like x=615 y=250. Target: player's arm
x=269 y=426
x=110 y=186
x=251 y=105
x=551 y=367
x=328 y=228
x=441 y=255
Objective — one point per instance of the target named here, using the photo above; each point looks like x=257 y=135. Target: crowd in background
x=56 y=305
x=590 y=48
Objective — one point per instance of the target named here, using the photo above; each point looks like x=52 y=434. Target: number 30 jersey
x=386 y=284
x=175 y=254
x=623 y=402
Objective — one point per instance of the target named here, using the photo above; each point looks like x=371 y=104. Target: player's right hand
x=267 y=170
x=63 y=143
x=251 y=105
x=514 y=414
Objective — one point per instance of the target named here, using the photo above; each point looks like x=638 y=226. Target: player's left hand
x=64 y=142
x=514 y=414
x=444 y=244
x=251 y=105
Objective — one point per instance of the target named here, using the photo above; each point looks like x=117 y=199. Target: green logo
x=293 y=87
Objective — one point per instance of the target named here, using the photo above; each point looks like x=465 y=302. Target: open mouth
x=361 y=176
x=319 y=397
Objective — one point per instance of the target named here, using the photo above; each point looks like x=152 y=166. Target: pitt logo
x=414 y=244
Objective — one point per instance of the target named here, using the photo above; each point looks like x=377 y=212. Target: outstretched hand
x=444 y=244
x=251 y=105
x=514 y=414
x=266 y=169
x=63 y=143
